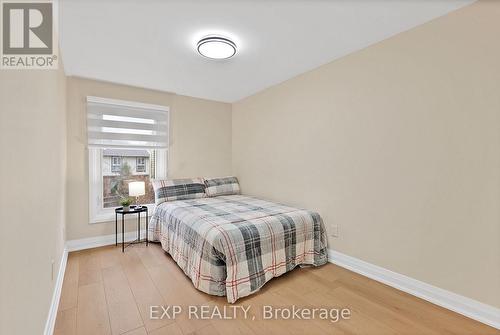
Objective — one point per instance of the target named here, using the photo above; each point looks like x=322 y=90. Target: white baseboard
x=100 y=241
x=471 y=308
x=56 y=295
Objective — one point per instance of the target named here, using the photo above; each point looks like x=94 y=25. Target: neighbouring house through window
x=120 y=167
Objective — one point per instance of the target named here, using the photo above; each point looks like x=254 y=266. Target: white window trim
x=97 y=213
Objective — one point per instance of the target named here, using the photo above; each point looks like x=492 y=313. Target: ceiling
x=152 y=44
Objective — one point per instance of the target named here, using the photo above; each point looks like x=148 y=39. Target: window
x=116 y=164
x=115 y=179
x=140 y=164
x=127 y=141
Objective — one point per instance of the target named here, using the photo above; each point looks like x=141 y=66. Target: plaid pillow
x=178 y=189
x=222 y=186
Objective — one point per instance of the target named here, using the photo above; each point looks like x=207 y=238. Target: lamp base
x=137 y=203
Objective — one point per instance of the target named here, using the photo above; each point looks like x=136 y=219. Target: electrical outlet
x=335 y=231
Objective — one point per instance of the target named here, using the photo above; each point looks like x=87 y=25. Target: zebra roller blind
x=125 y=124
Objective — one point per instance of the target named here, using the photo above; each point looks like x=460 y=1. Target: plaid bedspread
x=232 y=245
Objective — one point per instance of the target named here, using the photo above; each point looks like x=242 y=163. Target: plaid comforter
x=232 y=245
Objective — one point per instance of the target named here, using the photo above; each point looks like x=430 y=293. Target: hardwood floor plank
x=69 y=292
x=208 y=330
x=122 y=309
x=89 y=268
x=66 y=322
x=277 y=299
x=231 y=327
x=138 y=331
x=109 y=256
x=309 y=301
x=178 y=290
x=359 y=323
x=171 y=329
x=143 y=289
x=92 y=312
x=175 y=287
x=150 y=257
x=399 y=322
x=303 y=281
x=116 y=285
x=124 y=317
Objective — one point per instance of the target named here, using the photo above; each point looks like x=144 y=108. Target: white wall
x=32 y=195
x=397 y=144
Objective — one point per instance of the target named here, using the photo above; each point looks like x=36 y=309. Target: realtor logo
x=28 y=35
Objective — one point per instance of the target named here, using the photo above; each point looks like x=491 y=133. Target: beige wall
x=397 y=144
x=32 y=195
x=200 y=143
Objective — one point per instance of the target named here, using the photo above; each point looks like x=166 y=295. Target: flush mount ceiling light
x=216 y=47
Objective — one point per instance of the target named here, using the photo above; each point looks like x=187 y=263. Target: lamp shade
x=136 y=188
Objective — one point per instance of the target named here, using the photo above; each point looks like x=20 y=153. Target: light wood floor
x=107 y=292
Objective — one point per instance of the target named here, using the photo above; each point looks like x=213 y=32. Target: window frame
x=99 y=214
x=142 y=165
x=113 y=165
x=96 y=210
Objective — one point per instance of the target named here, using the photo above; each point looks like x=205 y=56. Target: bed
x=231 y=245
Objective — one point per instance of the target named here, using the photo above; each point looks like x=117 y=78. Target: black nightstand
x=133 y=210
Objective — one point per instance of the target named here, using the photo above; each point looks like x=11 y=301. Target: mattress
x=232 y=245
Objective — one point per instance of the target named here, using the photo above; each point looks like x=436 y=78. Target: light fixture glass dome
x=216 y=47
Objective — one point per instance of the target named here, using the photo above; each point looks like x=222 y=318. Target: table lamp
x=136 y=189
